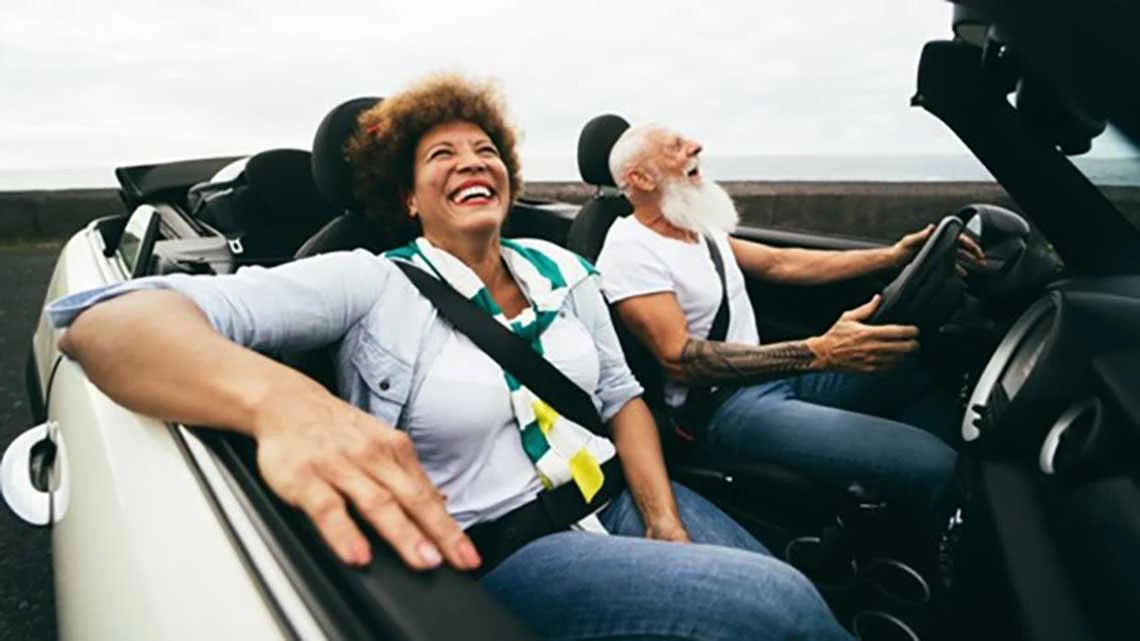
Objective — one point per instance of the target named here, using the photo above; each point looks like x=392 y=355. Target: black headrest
x=594 y=145
x=588 y=231
x=348 y=231
x=281 y=182
x=330 y=168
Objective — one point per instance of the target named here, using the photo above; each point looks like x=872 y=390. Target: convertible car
x=166 y=531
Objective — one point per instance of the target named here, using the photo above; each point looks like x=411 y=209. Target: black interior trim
x=1098 y=527
x=1087 y=51
x=111 y=229
x=1119 y=373
x=1040 y=587
x=140 y=183
x=327 y=602
x=1089 y=233
x=144 y=257
x=384 y=600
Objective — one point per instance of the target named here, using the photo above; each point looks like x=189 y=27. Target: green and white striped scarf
x=556 y=445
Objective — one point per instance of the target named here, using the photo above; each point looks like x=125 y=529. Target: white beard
x=702 y=208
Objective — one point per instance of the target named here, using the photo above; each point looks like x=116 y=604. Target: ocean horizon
x=825 y=168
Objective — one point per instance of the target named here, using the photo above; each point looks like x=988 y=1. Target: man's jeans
x=887 y=431
x=723 y=587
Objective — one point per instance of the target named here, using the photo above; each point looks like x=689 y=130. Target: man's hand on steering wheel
x=905 y=249
x=853 y=346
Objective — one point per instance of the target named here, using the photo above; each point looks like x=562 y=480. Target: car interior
x=1040 y=343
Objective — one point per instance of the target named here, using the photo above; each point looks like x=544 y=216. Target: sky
x=115 y=82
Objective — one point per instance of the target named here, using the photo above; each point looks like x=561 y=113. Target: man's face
x=673 y=158
x=672 y=166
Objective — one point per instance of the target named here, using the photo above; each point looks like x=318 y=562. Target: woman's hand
x=852 y=346
x=667 y=530
x=320 y=454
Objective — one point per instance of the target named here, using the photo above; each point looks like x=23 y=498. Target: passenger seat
x=268 y=210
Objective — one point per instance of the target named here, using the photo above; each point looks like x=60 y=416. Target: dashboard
x=1044 y=364
x=1053 y=443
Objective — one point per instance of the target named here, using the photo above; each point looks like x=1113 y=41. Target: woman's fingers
x=326 y=509
x=391 y=461
x=355 y=458
x=379 y=507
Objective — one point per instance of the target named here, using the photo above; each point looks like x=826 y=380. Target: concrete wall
x=881 y=211
x=878 y=211
x=52 y=215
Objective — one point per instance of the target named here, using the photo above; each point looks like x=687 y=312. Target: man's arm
x=797 y=266
x=849 y=345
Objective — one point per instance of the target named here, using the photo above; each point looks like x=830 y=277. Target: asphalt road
x=27 y=599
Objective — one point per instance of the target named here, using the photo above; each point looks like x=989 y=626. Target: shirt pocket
x=387 y=375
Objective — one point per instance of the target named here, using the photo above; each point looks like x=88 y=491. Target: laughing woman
x=432 y=442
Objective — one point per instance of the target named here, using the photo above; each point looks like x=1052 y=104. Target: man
x=842 y=406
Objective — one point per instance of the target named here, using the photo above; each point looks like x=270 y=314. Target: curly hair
x=382 y=149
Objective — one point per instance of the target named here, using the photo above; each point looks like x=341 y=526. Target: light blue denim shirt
x=389 y=333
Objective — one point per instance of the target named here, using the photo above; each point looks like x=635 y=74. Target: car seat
x=267 y=210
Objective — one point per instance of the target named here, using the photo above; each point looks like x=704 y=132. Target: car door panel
x=786 y=312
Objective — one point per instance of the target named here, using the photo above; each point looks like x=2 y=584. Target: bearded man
x=843 y=406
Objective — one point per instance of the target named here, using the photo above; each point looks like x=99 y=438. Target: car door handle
x=25 y=475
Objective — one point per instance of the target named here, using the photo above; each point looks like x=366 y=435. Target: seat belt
x=552 y=510
x=222 y=211
x=699 y=403
x=509 y=350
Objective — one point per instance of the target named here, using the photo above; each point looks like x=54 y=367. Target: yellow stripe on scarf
x=587 y=474
x=584 y=468
x=544 y=415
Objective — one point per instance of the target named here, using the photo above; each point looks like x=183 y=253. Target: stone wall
x=880 y=211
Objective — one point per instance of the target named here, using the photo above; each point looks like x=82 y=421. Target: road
x=27 y=600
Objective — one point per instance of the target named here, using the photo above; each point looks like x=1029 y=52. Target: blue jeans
x=723 y=587
x=887 y=431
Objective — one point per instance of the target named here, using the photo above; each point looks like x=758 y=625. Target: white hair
x=629 y=146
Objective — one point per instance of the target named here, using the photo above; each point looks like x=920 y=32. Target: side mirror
x=989 y=224
x=1002 y=234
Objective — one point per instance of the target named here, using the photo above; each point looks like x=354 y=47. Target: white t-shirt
x=465 y=432
x=636 y=260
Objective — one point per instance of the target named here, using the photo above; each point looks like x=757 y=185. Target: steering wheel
x=927 y=290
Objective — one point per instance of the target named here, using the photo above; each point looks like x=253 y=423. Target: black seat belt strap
x=698 y=406
x=509 y=350
x=719 y=330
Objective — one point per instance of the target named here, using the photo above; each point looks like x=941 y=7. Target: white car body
x=139 y=550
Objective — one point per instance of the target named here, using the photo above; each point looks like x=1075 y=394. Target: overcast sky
x=99 y=84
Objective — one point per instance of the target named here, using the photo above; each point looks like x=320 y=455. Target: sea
x=837 y=168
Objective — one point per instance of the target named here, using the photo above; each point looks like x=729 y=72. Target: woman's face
x=461 y=184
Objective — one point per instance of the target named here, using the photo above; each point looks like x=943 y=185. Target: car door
x=137 y=550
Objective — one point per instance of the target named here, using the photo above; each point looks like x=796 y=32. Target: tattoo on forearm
x=712 y=362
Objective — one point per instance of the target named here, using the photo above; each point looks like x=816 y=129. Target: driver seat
x=773 y=483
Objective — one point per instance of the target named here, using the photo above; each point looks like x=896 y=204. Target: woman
x=438 y=163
